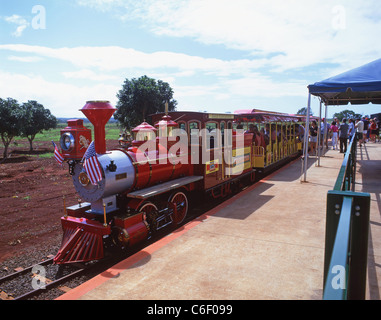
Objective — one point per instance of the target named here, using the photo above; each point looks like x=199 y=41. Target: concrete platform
x=267 y=242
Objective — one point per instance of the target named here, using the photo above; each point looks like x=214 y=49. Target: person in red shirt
x=373 y=130
x=335 y=132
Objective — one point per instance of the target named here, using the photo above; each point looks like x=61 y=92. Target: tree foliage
x=10 y=122
x=303 y=111
x=141 y=97
x=347 y=114
x=24 y=120
x=35 y=119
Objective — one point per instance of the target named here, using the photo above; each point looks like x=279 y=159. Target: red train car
x=145 y=186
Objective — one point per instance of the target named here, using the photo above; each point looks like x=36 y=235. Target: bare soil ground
x=31 y=199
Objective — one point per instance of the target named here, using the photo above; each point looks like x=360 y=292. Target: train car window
x=211 y=135
x=182 y=125
x=182 y=130
x=194 y=130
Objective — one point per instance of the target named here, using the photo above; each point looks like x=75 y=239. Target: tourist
x=313 y=137
x=343 y=136
x=335 y=131
x=324 y=128
x=360 y=130
x=377 y=130
x=373 y=130
x=365 y=131
x=351 y=130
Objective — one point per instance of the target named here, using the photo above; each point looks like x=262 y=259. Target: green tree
x=303 y=111
x=347 y=114
x=141 y=97
x=10 y=122
x=35 y=119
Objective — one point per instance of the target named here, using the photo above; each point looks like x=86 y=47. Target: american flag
x=57 y=154
x=91 y=164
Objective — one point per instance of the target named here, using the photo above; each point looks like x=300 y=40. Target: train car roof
x=194 y=115
x=254 y=115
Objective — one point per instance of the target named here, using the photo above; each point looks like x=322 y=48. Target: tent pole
x=306 y=134
x=319 y=137
x=325 y=148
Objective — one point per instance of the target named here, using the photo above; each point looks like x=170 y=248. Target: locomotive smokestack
x=99 y=112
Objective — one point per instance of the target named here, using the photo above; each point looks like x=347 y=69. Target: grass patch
x=112 y=133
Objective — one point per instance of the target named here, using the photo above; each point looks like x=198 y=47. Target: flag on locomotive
x=91 y=164
x=57 y=154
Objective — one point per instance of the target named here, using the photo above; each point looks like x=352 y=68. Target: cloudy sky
x=217 y=55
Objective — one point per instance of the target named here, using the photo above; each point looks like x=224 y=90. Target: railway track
x=33 y=280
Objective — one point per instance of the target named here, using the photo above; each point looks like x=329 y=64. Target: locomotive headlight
x=67 y=142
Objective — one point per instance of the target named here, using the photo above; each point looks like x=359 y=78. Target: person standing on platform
x=377 y=130
x=365 y=131
x=335 y=134
x=343 y=136
x=351 y=130
x=373 y=130
x=313 y=137
x=324 y=133
x=360 y=130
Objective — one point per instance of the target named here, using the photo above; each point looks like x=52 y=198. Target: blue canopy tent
x=361 y=85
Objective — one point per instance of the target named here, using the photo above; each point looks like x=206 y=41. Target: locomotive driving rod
x=167 y=213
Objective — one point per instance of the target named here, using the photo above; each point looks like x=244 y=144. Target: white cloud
x=25 y=58
x=20 y=21
x=88 y=75
x=257 y=85
x=287 y=34
x=115 y=58
x=63 y=99
x=102 y=5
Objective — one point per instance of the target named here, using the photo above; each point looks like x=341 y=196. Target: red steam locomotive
x=135 y=190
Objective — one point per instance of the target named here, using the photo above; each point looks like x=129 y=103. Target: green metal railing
x=346 y=236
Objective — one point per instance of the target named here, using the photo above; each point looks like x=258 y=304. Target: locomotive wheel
x=179 y=198
x=151 y=213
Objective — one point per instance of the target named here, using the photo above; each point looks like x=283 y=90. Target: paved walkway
x=265 y=243
x=368 y=179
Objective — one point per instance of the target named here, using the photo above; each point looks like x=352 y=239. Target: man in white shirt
x=360 y=130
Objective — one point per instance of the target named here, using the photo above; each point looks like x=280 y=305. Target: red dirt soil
x=31 y=199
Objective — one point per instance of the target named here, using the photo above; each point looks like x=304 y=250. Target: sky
x=217 y=55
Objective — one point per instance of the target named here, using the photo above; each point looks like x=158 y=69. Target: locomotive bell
x=99 y=112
